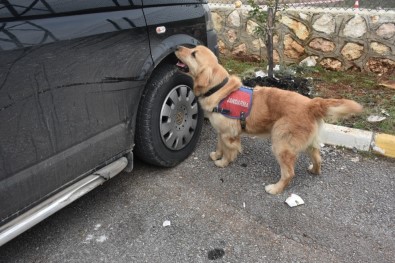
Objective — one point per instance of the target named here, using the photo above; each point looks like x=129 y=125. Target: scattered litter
x=101 y=238
x=294 y=200
x=355 y=160
x=195 y=158
x=378 y=149
x=308 y=62
x=244 y=204
x=166 y=223
x=375 y=118
x=260 y=73
x=388 y=83
x=385 y=113
x=88 y=238
x=97 y=226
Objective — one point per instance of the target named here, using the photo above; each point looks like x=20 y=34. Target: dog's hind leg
x=231 y=146
x=315 y=157
x=218 y=151
x=286 y=158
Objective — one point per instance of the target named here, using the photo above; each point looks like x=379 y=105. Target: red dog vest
x=236 y=105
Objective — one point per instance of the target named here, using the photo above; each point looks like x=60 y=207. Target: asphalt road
x=225 y=214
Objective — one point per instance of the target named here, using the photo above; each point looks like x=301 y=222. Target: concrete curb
x=383 y=144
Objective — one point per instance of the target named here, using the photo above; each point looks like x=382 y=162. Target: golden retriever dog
x=291 y=120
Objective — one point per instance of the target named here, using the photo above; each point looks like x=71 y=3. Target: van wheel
x=169 y=118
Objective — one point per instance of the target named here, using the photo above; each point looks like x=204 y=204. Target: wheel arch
x=164 y=52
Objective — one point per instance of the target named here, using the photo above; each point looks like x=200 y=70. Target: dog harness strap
x=243 y=120
x=221 y=110
x=216 y=88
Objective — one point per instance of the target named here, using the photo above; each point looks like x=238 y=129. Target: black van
x=84 y=85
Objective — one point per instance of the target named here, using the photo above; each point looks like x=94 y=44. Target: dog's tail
x=334 y=108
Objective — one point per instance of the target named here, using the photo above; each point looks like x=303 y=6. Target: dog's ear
x=202 y=81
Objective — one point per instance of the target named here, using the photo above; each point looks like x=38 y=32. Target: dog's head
x=202 y=65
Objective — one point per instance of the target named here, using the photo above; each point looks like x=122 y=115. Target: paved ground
x=349 y=215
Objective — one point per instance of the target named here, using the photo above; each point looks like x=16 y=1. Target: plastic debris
x=166 y=223
x=260 y=73
x=294 y=200
x=375 y=118
x=308 y=62
x=385 y=113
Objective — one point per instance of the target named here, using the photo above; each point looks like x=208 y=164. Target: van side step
x=59 y=200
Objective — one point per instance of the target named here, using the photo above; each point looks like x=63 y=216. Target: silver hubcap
x=178 y=117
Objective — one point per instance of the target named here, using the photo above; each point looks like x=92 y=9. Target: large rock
x=380 y=65
x=322 y=44
x=325 y=23
x=352 y=51
x=234 y=19
x=292 y=49
x=300 y=30
x=331 y=64
x=380 y=48
x=386 y=31
x=355 y=28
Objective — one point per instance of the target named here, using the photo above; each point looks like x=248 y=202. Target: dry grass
x=362 y=87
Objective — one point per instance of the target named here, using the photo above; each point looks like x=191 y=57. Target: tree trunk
x=270 y=22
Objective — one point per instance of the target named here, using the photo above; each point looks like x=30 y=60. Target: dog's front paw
x=314 y=170
x=214 y=156
x=221 y=163
x=273 y=189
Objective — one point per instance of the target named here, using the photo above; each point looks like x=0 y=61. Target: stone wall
x=336 y=39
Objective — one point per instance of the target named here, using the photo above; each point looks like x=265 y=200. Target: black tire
x=153 y=144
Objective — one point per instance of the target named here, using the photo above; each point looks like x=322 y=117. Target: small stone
x=300 y=30
x=217 y=21
x=326 y=24
x=380 y=65
x=331 y=64
x=234 y=19
x=292 y=49
x=222 y=47
x=251 y=27
x=386 y=31
x=322 y=44
x=309 y=61
x=232 y=35
x=240 y=50
x=355 y=28
x=352 y=51
x=380 y=48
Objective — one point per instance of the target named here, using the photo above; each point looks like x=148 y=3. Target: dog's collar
x=216 y=88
